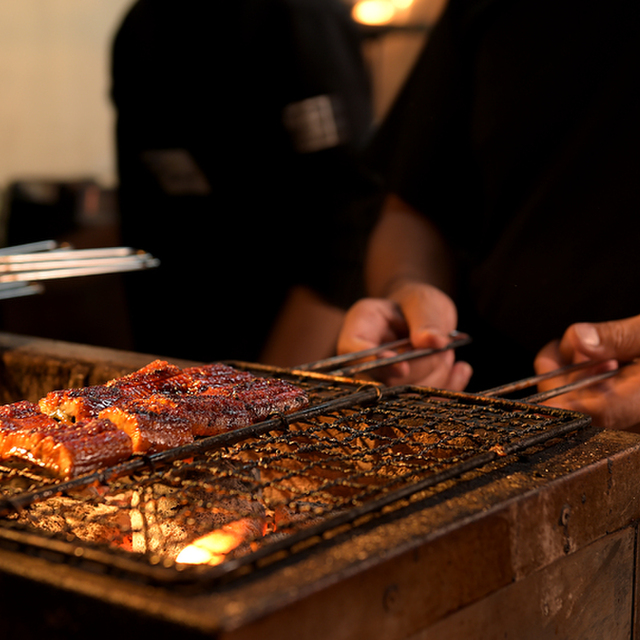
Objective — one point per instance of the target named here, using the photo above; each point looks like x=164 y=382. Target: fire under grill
x=231 y=506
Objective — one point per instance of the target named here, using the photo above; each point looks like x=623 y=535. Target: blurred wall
x=56 y=119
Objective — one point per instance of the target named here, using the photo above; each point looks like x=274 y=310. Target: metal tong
x=23 y=266
x=366 y=360
x=525 y=383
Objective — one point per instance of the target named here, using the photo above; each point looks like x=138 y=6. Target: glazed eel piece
x=201 y=401
x=208 y=399
x=260 y=396
x=74 y=405
x=64 y=450
x=158 y=407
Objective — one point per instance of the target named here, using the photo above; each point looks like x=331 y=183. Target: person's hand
x=423 y=313
x=613 y=403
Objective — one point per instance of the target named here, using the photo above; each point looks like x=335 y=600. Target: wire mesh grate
x=352 y=453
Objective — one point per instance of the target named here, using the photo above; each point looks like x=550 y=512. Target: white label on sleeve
x=313 y=124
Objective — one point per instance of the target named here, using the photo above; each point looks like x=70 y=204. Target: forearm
x=306 y=330
x=408 y=274
x=405 y=247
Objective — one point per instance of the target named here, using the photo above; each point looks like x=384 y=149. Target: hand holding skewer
x=615 y=401
x=423 y=313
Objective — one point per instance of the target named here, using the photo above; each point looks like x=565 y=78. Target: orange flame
x=213 y=547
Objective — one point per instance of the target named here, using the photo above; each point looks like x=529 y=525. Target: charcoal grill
x=355 y=485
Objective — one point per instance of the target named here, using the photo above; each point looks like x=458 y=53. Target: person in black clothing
x=511 y=164
x=238 y=129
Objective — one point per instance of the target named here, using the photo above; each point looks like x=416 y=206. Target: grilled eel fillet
x=200 y=401
x=73 y=405
x=158 y=407
x=64 y=450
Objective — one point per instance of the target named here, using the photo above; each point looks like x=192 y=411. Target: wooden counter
x=539 y=546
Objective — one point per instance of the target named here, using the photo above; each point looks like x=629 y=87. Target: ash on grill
x=266 y=488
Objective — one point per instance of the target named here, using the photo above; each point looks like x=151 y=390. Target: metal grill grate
x=276 y=487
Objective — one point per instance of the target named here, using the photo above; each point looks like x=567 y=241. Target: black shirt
x=222 y=174
x=518 y=134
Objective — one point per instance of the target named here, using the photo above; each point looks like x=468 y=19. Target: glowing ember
x=213 y=547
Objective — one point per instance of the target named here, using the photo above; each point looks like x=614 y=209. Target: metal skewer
x=62 y=255
x=71 y=272
x=22 y=266
x=19 y=289
x=36 y=269
x=578 y=384
x=458 y=340
x=31 y=247
x=331 y=365
x=531 y=381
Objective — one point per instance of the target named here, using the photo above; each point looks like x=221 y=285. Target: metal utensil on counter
x=23 y=266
